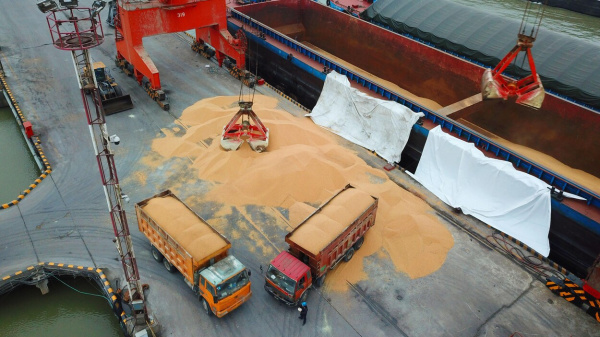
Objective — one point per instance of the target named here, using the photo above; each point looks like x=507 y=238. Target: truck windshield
x=281 y=279
x=232 y=284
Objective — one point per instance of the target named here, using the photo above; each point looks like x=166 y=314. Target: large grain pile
x=304 y=164
x=333 y=219
x=185 y=227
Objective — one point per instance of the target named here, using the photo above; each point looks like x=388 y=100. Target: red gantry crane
x=136 y=19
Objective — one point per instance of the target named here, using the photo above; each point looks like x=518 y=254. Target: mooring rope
x=81 y=292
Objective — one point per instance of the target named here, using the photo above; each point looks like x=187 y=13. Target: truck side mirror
x=249 y=273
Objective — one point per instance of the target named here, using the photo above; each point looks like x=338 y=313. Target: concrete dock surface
x=477 y=292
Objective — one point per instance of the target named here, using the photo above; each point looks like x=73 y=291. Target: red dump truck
x=333 y=232
x=183 y=241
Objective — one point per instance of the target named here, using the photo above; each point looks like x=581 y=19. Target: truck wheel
x=320 y=280
x=304 y=296
x=206 y=307
x=359 y=243
x=168 y=266
x=349 y=254
x=156 y=254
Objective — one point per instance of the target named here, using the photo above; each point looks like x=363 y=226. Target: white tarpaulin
x=491 y=190
x=378 y=125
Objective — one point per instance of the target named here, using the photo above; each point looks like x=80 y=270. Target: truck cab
x=224 y=286
x=288 y=279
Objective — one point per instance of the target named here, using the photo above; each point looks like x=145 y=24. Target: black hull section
x=588 y=7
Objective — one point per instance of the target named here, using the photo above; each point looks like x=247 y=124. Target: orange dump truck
x=333 y=232
x=182 y=240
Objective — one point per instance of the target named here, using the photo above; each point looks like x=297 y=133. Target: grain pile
x=322 y=228
x=304 y=164
x=185 y=227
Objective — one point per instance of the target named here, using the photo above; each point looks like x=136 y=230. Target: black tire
x=349 y=254
x=206 y=307
x=320 y=280
x=359 y=243
x=168 y=266
x=156 y=254
x=303 y=297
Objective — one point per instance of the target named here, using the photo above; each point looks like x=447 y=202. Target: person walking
x=303 y=311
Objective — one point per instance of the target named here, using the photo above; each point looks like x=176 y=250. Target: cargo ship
x=293 y=44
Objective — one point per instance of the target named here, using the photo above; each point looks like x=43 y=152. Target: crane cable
x=535 y=24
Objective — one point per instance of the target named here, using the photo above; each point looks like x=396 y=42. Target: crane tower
x=77 y=29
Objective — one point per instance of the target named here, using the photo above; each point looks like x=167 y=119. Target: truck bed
x=331 y=220
x=183 y=225
x=182 y=236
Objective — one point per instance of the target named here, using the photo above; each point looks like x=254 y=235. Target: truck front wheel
x=156 y=254
x=349 y=254
x=304 y=296
x=206 y=307
x=168 y=266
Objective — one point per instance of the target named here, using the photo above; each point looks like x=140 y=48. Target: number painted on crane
x=181 y=15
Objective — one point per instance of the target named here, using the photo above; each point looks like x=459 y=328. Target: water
x=558 y=20
x=18 y=169
x=63 y=312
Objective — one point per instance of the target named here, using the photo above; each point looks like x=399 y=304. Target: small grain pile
x=185 y=227
x=333 y=219
x=303 y=167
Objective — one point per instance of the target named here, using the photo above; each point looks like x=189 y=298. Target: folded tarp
x=378 y=125
x=491 y=190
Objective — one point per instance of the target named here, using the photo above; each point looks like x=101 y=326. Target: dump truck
x=332 y=233
x=183 y=241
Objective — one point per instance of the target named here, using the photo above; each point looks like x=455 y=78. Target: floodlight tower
x=78 y=29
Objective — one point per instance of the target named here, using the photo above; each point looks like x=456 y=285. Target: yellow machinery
x=113 y=99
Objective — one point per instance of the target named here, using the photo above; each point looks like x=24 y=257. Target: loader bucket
x=117 y=104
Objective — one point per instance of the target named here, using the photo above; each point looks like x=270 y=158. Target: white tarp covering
x=491 y=190
x=378 y=125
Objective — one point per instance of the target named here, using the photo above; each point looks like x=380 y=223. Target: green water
x=18 y=169
x=558 y=20
x=63 y=312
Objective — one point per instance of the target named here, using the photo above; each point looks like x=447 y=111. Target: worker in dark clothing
x=303 y=311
